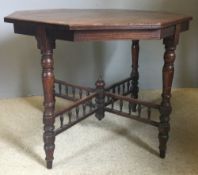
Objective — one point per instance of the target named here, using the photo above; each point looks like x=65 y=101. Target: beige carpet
x=113 y=146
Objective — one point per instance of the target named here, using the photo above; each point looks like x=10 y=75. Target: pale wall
x=84 y=62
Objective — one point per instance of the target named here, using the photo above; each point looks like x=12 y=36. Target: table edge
x=102 y=27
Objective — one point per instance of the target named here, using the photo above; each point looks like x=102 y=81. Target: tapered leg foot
x=163 y=138
x=164 y=129
x=100 y=117
x=162 y=154
x=49 y=164
x=49 y=146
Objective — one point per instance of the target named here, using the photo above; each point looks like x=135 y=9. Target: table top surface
x=98 y=19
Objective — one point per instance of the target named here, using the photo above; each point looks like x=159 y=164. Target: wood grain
x=97 y=19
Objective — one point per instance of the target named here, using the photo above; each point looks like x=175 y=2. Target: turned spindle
x=121 y=105
x=60 y=88
x=77 y=112
x=70 y=116
x=73 y=92
x=84 y=109
x=66 y=90
x=80 y=93
x=61 y=120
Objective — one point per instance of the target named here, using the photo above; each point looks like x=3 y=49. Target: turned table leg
x=165 y=109
x=134 y=73
x=46 y=45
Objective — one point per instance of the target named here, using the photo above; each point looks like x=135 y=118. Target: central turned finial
x=100 y=83
x=100 y=98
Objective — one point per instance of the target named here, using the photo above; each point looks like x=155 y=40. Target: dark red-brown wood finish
x=46 y=45
x=135 y=73
x=100 y=25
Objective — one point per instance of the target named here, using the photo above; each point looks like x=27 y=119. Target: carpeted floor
x=114 y=146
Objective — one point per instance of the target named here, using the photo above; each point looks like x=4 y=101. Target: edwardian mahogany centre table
x=99 y=25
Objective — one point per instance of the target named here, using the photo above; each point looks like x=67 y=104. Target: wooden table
x=100 y=25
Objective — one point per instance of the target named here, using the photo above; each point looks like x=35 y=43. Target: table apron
x=63 y=33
